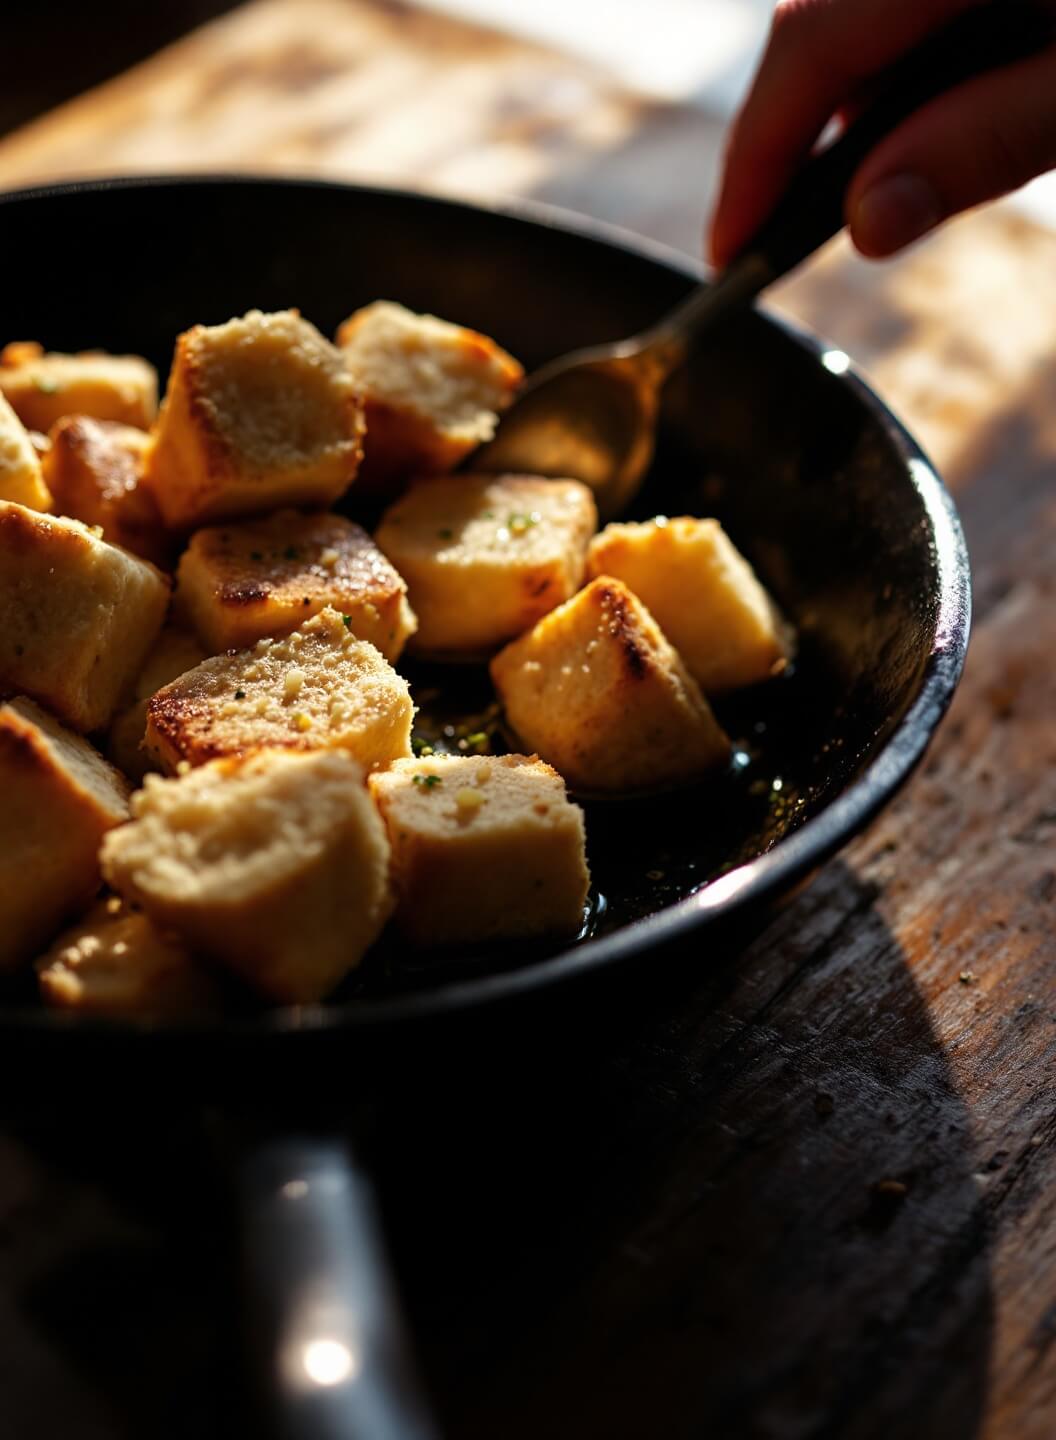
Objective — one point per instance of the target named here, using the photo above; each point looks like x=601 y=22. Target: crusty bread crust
x=77 y=615
x=704 y=596
x=599 y=692
x=260 y=412
x=93 y=470
x=317 y=688
x=482 y=849
x=42 y=388
x=276 y=866
x=240 y=582
x=60 y=798
x=486 y=556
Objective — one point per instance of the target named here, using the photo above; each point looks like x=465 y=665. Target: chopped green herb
x=428 y=782
x=478 y=740
x=521 y=522
x=240 y=694
x=46 y=385
x=446 y=534
x=421 y=747
x=348 y=621
x=488 y=515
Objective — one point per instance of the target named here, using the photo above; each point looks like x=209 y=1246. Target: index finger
x=818 y=55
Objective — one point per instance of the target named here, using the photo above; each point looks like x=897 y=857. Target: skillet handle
x=323 y=1312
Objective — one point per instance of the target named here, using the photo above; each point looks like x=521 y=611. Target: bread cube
x=42 y=388
x=117 y=963
x=317 y=688
x=59 y=799
x=433 y=390
x=277 y=866
x=77 y=616
x=484 y=557
x=92 y=468
x=175 y=652
x=602 y=696
x=260 y=412
x=704 y=596
x=482 y=849
x=240 y=582
x=21 y=476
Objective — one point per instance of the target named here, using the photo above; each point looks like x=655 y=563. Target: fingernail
x=893 y=213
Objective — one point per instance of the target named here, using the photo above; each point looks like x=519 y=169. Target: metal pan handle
x=323 y=1312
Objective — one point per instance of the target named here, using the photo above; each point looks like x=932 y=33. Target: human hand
x=977 y=141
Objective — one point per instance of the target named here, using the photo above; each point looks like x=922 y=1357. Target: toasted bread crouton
x=433 y=390
x=175 y=652
x=77 y=616
x=453 y=820
x=238 y=583
x=59 y=799
x=116 y=962
x=599 y=692
x=704 y=596
x=317 y=688
x=21 y=476
x=92 y=468
x=485 y=557
x=42 y=388
x=260 y=412
x=277 y=866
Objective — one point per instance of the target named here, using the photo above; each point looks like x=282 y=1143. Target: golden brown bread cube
x=482 y=849
x=42 y=388
x=21 y=475
x=93 y=469
x=484 y=557
x=77 y=616
x=240 y=582
x=276 y=866
x=260 y=412
x=433 y=390
x=317 y=688
x=175 y=652
x=602 y=696
x=115 y=962
x=704 y=596
x=59 y=799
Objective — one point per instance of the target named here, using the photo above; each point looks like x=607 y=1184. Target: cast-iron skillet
x=766 y=429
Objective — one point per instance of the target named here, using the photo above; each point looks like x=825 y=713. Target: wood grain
x=804 y=1188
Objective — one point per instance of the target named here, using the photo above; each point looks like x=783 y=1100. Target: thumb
x=976 y=142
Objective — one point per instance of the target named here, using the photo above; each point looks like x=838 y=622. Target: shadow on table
x=733 y=1198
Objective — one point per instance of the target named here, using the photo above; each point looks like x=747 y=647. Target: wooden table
x=814 y=1193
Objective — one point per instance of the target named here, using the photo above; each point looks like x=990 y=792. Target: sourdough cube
x=93 y=468
x=433 y=390
x=77 y=616
x=21 y=476
x=482 y=849
x=317 y=688
x=277 y=866
x=240 y=582
x=260 y=412
x=42 y=388
x=59 y=799
x=598 y=691
x=116 y=962
x=704 y=596
x=485 y=557
x=175 y=652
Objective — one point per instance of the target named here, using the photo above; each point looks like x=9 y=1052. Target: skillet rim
x=755 y=884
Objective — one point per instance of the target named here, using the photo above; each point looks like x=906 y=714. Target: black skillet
x=767 y=429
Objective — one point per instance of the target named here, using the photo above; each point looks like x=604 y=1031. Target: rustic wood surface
x=811 y=1190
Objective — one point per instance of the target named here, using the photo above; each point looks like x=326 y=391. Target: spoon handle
x=812 y=209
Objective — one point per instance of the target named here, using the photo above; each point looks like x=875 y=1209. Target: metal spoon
x=591 y=415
